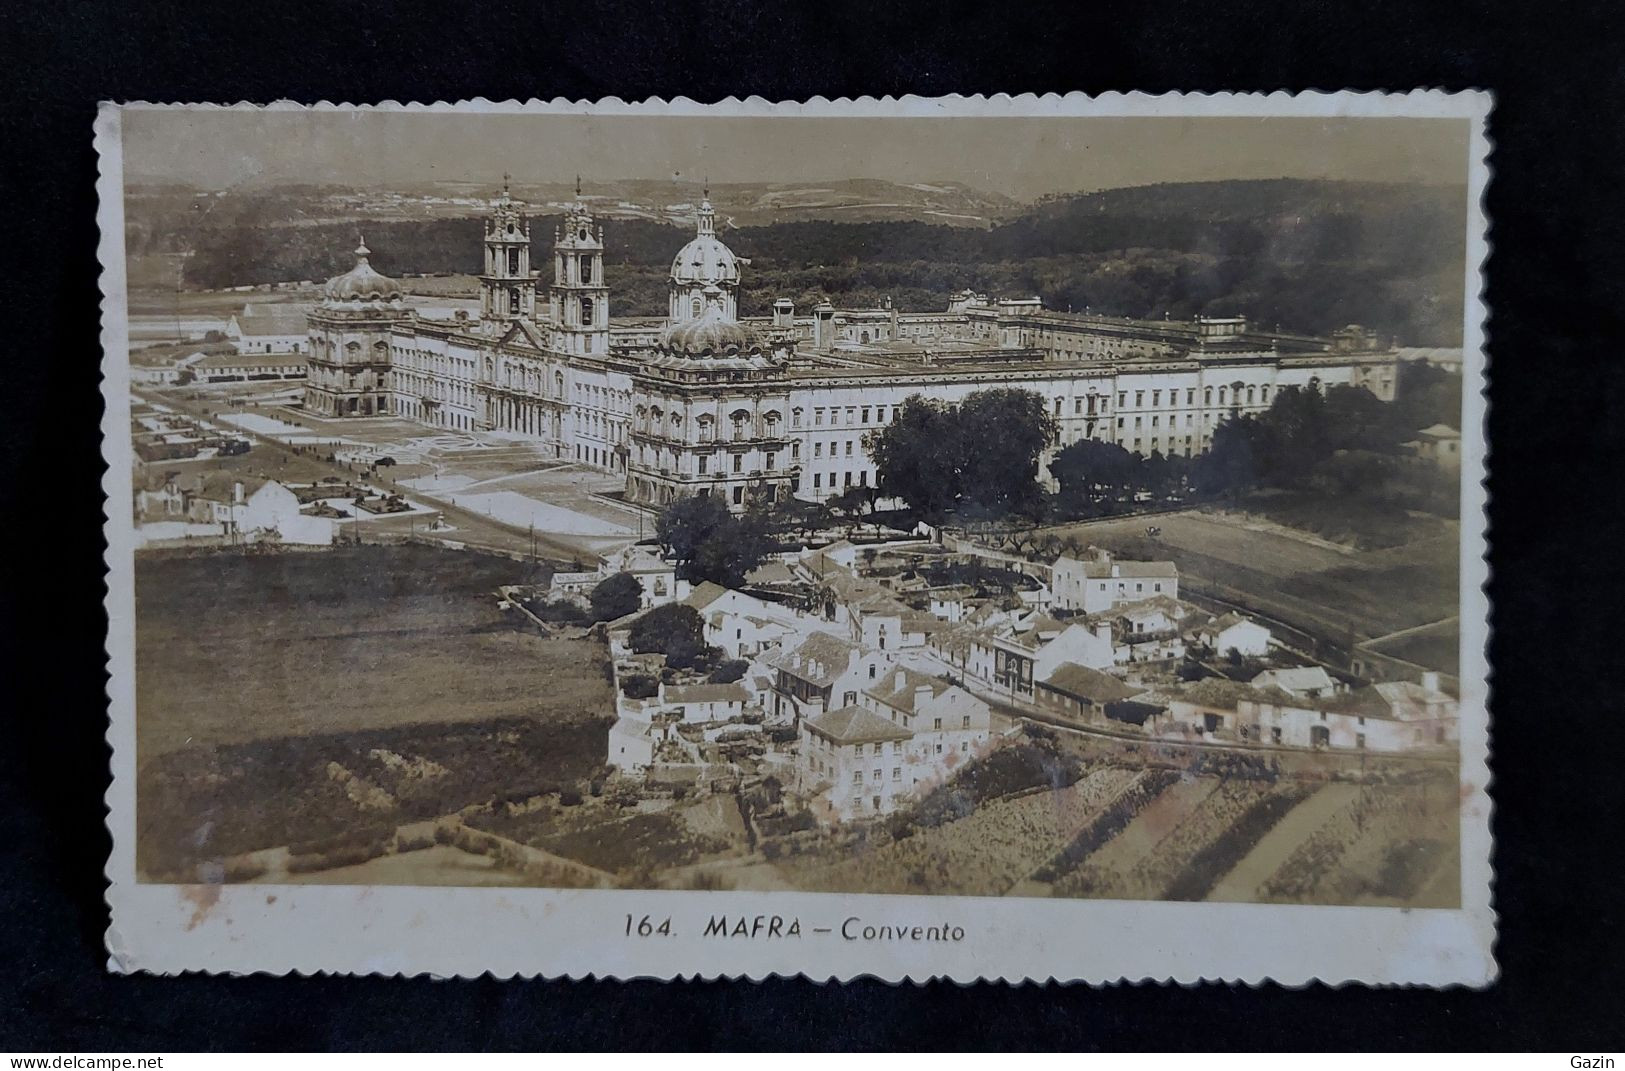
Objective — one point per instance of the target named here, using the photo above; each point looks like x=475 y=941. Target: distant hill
x=1310 y=255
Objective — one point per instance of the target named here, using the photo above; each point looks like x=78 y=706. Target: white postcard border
x=466 y=932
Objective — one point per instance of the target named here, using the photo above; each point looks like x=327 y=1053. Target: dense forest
x=1308 y=255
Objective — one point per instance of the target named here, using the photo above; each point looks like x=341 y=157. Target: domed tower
x=580 y=299
x=507 y=286
x=350 y=364
x=705 y=273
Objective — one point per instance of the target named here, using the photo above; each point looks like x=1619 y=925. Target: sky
x=1019 y=157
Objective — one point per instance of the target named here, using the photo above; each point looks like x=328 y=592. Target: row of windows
x=855 y=415
x=1254 y=395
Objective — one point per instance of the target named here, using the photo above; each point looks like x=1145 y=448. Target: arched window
x=696 y=307
x=558 y=384
x=1249 y=395
x=707 y=427
x=1207 y=396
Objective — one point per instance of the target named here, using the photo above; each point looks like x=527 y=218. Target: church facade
x=713 y=403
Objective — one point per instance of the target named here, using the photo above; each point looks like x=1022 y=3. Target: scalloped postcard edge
x=469 y=932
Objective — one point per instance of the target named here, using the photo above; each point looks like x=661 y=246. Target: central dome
x=712 y=334
x=362 y=282
x=705 y=260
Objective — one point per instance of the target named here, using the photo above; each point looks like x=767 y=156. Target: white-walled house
x=1102 y=582
x=1012 y=660
x=821 y=673
x=907 y=733
x=1304 y=682
x=704 y=702
x=850 y=761
x=1389 y=717
x=632 y=744
x=742 y=625
x=656 y=576
x=1233 y=632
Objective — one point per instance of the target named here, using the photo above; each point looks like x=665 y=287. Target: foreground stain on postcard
x=1023 y=538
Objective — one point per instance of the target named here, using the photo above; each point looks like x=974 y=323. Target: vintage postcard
x=981 y=538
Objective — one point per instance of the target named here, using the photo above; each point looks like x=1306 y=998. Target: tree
x=730 y=671
x=917 y=457
x=1002 y=433
x=979 y=456
x=673 y=630
x=615 y=597
x=854 y=503
x=1090 y=467
x=710 y=543
x=688 y=522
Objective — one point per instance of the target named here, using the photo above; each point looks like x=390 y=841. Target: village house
x=271 y=328
x=1075 y=691
x=1101 y=582
x=821 y=673
x=1303 y=682
x=1440 y=445
x=241 y=507
x=1149 y=630
x=949 y=724
x=1232 y=632
x=909 y=731
x=656 y=576
x=1388 y=717
x=742 y=625
x=704 y=702
x=1013 y=658
x=850 y=761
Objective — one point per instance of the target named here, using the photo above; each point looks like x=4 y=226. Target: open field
x=1321 y=587
x=292 y=696
x=233 y=647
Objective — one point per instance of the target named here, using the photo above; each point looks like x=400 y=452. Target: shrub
x=639 y=686
x=405 y=843
x=730 y=671
x=673 y=630
x=615 y=597
x=569 y=797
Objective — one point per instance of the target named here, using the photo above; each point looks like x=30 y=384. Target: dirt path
x=1273 y=849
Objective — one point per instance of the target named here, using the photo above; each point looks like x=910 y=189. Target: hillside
x=1310 y=255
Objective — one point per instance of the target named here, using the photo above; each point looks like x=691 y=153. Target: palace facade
x=713 y=403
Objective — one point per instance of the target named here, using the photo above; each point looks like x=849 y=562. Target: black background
x=1555 y=292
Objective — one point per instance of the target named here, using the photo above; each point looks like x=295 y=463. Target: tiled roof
x=259 y=320
x=831 y=654
x=707 y=693
x=854 y=725
x=1295 y=678
x=1081 y=682
x=899 y=688
x=704 y=594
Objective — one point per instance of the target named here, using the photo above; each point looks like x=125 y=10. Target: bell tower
x=507 y=286
x=580 y=300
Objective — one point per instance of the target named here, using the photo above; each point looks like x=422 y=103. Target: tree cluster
x=673 y=630
x=976 y=458
x=710 y=543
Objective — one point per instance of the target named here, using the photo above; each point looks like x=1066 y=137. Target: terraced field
x=1132 y=833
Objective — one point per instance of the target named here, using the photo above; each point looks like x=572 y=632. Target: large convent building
x=712 y=403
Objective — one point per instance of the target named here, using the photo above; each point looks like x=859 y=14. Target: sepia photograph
x=1037 y=507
